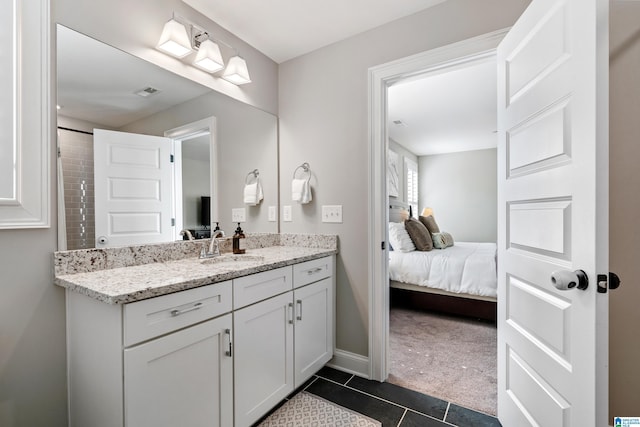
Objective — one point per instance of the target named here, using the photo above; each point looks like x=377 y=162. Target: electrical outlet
x=286 y=213
x=239 y=215
x=332 y=213
x=273 y=214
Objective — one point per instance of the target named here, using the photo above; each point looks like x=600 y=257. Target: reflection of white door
x=552 y=177
x=133 y=182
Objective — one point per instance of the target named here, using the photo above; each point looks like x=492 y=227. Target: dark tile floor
x=394 y=406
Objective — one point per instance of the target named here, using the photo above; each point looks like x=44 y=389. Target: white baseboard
x=350 y=362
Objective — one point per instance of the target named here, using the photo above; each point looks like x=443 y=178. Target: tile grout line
x=446 y=412
x=402 y=417
x=383 y=399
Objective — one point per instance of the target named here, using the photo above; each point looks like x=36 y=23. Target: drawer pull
x=299 y=303
x=314 y=271
x=230 y=351
x=196 y=306
x=291 y=313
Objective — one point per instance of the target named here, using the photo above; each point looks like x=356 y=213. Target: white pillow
x=399 y=238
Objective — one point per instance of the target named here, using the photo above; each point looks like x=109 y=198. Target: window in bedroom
x=411 y=169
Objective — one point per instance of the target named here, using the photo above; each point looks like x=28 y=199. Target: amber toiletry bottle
x=238 y=241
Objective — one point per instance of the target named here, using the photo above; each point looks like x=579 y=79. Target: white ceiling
x=285 y=29
x=447 y=112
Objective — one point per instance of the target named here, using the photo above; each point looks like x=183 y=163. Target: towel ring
x=255 y=174
x=305 y=168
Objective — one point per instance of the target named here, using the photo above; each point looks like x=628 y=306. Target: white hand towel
x=260 y=192
x=301 y=191
x=253 y=193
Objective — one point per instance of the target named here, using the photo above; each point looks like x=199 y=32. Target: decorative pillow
x=419 y=234
x=399 y=238
x=442 y=240
x=430 y=223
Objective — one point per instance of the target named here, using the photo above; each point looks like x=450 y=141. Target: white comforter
x=463 y=268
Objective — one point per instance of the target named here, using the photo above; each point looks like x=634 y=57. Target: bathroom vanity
x=215 y=342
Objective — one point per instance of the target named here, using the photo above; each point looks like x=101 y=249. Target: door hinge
x=171 y=159
x=383 y=245
x=612 y=281
x=173 y=222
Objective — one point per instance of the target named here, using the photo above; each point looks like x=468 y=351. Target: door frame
x=445 y=58
x=179 y=134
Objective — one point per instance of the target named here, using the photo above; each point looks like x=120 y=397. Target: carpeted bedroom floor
x=449 y=357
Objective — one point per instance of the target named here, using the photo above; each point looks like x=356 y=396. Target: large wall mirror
x=217 y=143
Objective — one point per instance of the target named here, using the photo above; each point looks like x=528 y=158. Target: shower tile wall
x=76 y=151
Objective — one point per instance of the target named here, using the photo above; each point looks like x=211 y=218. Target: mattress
x=465 y=268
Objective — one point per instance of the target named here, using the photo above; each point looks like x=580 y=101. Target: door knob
x=565 y=279
x=102 y=240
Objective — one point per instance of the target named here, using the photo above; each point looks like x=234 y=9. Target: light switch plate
x=286 y=213
x=273 y=214
x=238 y=215
x=332 y=213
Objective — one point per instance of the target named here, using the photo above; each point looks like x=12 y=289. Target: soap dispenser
x=238 y=241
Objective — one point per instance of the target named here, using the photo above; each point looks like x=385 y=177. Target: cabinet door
x=314 y=329
x=185 y=378
x=263 y=344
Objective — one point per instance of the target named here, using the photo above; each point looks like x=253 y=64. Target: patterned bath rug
x=307 y=410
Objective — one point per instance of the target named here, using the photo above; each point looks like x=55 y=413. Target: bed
x=459 y=279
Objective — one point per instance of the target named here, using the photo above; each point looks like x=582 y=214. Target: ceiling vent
x=147 y=91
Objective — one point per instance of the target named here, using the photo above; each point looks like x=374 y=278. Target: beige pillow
x=430 y=223
x=442 y=240
x=419 y=234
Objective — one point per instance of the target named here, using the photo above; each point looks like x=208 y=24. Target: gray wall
x=323 y=121
x=462 y=190
x=624 y=208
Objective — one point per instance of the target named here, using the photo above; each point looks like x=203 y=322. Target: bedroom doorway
x=442 y=146
x=439 y=61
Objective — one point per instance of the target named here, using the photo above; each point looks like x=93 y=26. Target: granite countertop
x=133 y=283
x=131 y=273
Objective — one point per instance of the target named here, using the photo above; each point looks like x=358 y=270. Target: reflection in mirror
x=100 y=87
x=196 y=192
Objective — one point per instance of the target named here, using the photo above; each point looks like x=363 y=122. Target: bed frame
x=424 y=298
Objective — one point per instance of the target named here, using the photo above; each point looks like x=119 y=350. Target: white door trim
x=186 y=132
x=380 y=78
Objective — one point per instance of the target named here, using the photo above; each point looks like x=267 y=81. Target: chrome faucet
x=188 y=233
x=214 y=247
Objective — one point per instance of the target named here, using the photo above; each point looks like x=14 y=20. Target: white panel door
x=182 y=379
x=313 y=336
x=553 y=202
x=133 y=188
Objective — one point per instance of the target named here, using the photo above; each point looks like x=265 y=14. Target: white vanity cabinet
x=163 y=361
x=281 y=338
x=217 y=355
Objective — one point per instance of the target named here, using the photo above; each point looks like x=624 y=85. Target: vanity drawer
x=312 y=271
x=260 y=286
x=157 y=316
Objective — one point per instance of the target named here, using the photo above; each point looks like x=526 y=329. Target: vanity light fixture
x=237 y=71
x=209 y=57
x=174 y=39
